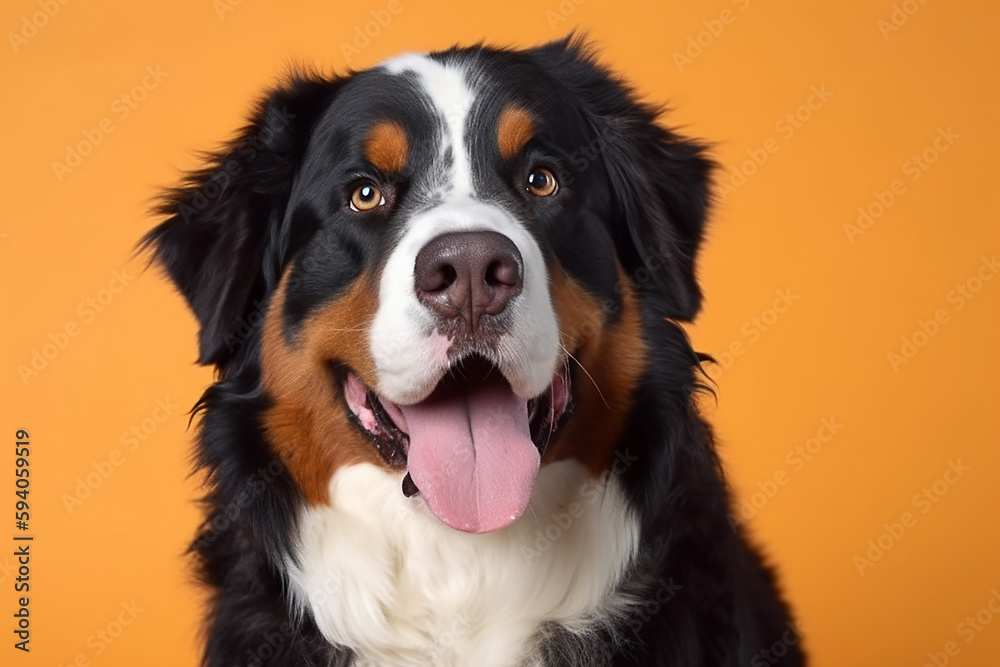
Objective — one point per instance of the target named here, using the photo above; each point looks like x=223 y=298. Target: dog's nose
x=469 y=274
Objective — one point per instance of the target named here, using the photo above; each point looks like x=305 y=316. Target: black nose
x=469 y=274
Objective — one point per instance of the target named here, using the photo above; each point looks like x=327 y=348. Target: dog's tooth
x=409 y=488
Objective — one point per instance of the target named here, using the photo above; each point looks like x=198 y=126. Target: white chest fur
x=384 y=577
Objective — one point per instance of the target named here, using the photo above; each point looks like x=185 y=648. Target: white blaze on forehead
x=447 y=89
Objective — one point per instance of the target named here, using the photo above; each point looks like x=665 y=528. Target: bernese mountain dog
x=454 y=420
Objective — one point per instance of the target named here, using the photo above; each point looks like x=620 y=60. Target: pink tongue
x=472 y=457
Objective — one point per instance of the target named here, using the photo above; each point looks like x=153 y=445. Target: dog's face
x=440 y=266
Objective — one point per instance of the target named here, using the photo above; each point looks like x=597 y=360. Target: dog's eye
x=366 y=196
x=542 y=182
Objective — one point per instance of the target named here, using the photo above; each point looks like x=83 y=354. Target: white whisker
x=587 y=373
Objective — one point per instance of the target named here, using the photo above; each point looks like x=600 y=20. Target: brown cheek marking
x=307 y=423
x=387 y=147
x=614 y=355
x=514 y=129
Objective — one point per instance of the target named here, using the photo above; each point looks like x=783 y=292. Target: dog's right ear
x=660 y=180
x=224 y=222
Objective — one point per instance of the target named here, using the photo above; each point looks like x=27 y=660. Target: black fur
x=640 y=192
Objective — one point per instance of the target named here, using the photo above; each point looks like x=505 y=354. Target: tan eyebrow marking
x=387 y=147
x=515 y=128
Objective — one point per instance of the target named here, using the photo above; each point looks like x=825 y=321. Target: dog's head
x=439 y=266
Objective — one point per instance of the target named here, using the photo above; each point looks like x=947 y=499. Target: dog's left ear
x=223 y=234
x=659 y=180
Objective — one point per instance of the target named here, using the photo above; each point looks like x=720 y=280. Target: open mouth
x=472 y=448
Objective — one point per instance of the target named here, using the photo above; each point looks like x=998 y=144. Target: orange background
x=825 y=357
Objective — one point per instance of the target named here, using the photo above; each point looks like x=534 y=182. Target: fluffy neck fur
x=386 y=579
